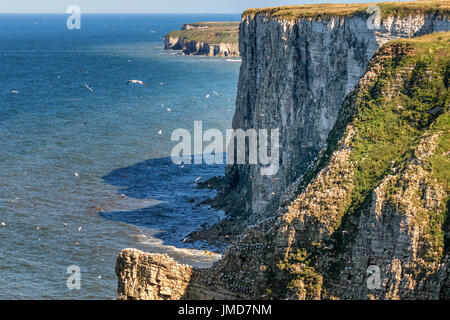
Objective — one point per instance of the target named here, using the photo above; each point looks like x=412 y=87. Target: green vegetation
x=389 y=123
x=402 y=9
x=386 y=126
x=440 y=169
x=296 y=12
x=303 y=278
x=440 y=161
x=210 y=32
x=408 y=99
x=391 y=113
x=404 y=100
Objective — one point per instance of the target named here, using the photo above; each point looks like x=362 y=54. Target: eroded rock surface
x=294 y=76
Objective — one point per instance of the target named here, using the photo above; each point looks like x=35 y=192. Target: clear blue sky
x=149 y=6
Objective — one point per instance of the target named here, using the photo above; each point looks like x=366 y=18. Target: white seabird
x=136 y=81
x=87 y=87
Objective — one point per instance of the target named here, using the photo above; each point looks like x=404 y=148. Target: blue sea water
x=85 y=174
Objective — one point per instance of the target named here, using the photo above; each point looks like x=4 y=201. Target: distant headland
x=205 y=38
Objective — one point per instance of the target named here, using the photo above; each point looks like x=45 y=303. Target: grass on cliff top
x=211 y=32
x=217 y=24
x=295 y=12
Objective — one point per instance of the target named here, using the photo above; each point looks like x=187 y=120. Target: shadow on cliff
x=163 y=196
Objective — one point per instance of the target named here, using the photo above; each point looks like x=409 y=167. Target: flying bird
x=136 y=81
x=87 y=87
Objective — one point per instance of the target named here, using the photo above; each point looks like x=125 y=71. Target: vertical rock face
x=151 y=276
x=202 y=48
x=294 y=76
x=147 y=276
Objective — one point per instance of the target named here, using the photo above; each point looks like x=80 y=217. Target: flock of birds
x=92 y=90
x=128 y=82
x=133 y=81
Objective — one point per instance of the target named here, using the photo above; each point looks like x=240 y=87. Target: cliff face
x=146 y=276
x=359 y=208
x=201 y=48
x=294 y=76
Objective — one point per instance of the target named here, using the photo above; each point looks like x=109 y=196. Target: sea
x=85 y=166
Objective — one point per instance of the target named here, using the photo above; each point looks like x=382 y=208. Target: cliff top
x=210 y=32
x=215 y=24
x=295 y=12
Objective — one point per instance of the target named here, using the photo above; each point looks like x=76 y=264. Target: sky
x=150 y=6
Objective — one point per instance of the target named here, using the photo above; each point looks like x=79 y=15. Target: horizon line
x=180 y=13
